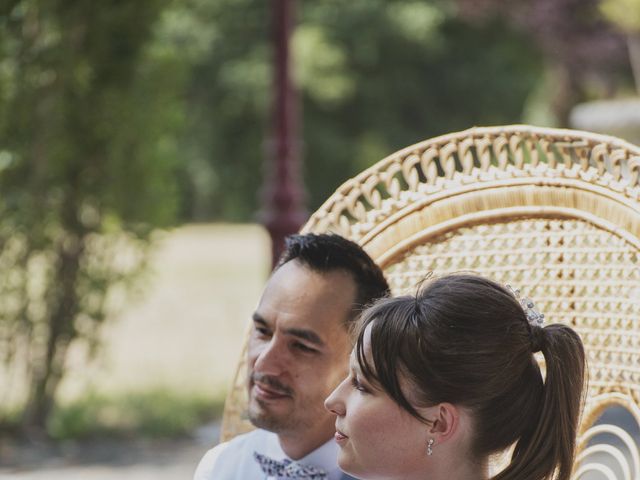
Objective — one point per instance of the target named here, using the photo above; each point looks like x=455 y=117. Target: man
x=298 y=353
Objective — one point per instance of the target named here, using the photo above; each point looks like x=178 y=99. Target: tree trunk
x=567 y=94
x=63 y=301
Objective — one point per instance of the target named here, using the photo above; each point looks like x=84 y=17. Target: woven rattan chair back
x=554 y=212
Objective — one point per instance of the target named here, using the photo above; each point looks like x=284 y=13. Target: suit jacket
x=234 y=460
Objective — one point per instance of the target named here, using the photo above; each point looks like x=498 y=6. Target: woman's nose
x=334 y=402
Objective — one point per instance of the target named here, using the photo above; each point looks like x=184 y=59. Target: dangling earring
x=430 y=447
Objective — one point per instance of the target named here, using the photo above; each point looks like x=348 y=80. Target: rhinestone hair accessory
x=534 y=317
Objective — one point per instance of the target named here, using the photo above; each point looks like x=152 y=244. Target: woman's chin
x=347 y=465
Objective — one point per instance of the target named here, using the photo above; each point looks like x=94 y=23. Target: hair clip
x=534 y=317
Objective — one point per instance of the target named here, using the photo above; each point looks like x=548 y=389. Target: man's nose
x=271 y=358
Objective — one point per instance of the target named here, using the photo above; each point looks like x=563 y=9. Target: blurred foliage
x=373 y=76
x=154 y=413
x=89 y=118
x=624 y=13
x=582 y=51
x=570 y=32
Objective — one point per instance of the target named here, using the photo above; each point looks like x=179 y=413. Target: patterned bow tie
x=288 y=469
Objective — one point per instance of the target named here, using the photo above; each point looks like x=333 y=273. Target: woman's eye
x=358 y=386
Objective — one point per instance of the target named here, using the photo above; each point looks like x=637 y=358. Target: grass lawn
x=185 y=331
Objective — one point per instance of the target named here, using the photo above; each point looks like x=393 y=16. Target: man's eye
x=263 y=332
x=304 y=348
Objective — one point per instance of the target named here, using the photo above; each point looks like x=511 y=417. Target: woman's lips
x=340 y=437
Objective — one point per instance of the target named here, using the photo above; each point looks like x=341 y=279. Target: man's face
x=299 y=350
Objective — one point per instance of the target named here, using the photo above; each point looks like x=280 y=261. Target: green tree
x=414 y=71
x=373 y=75
x=577 y=43
x=88 y=119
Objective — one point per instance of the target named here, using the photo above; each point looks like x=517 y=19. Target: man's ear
x=445 y=420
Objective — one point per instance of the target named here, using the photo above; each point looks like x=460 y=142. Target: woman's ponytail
x=546 y=449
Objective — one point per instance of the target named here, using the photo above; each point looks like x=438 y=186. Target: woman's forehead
x=354 y=359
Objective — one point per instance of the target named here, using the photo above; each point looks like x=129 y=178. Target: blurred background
x=144 y=144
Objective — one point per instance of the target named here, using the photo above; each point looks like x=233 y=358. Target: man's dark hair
x=330 y=252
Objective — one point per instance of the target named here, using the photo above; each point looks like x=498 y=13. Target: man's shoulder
x=230 y=460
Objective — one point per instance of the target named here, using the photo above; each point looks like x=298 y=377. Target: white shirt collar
x=324 y=456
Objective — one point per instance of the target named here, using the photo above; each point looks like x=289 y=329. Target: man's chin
x=267 y=419
x=270 y=411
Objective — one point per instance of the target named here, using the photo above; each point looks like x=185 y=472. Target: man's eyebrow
x=257 y=318
x=308 y=335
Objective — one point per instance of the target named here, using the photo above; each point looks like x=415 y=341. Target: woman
x=441 y=381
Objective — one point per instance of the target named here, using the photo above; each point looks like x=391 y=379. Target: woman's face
x=377 y=438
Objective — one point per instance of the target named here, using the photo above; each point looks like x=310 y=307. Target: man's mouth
x=266 y=392
x=267 y=388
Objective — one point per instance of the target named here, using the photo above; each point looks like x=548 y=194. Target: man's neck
x=299 y=446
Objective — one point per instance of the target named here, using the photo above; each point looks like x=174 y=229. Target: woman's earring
x=430 y=447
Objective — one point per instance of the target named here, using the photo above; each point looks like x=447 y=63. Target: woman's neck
x=457 y=469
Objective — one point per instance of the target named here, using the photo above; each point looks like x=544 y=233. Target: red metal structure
x=283 y=192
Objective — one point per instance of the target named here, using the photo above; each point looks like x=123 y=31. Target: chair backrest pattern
x=554 y=212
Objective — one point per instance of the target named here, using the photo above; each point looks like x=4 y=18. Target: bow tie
x=288 y=469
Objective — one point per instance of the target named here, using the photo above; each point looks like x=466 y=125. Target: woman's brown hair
x=466 y=340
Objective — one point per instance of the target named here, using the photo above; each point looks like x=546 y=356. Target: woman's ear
x=445 y=420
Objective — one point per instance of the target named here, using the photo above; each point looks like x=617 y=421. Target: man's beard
x=260 y=415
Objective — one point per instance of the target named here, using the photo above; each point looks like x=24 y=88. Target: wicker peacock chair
x=555 y=212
